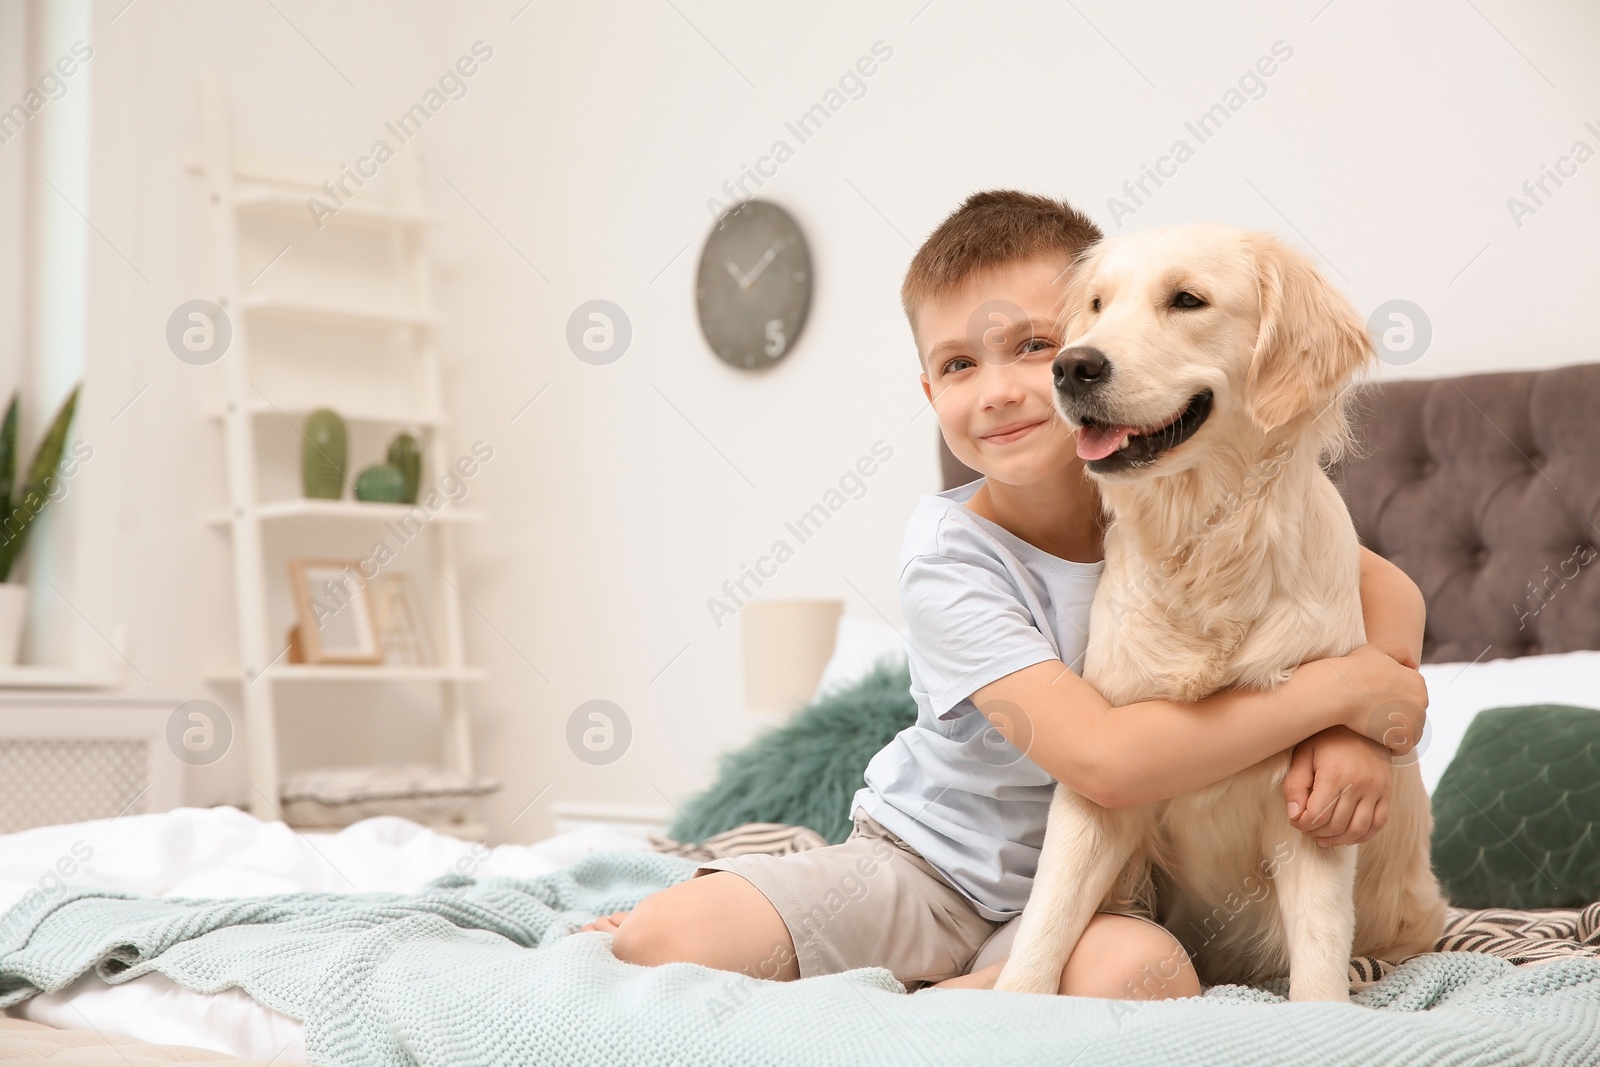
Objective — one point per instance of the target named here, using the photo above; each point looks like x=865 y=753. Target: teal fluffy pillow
x=804 y=772
x=1516 y=815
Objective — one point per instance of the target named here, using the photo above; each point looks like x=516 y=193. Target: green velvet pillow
x=1516 y=815
x=804 y=772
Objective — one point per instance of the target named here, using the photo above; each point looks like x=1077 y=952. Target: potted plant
x=19 y=509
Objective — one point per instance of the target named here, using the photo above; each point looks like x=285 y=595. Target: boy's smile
x=1008 y=434
x=987 y=354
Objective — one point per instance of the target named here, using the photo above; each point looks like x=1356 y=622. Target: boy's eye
x=952 y=362
x=1038 y=344
x=1186 y=300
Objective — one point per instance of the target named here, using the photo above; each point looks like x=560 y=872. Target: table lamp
x=787 y=644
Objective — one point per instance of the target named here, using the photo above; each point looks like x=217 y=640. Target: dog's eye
x=1187 y=300
x=1094 y=305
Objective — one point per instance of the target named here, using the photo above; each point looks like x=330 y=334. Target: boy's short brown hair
x=991 y=229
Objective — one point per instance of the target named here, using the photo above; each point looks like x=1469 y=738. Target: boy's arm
x=1392 y=608
x=1157 y=749
x=1339 y=783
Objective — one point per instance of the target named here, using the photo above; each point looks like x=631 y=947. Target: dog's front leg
x=1316 y=898
x=1085 y=849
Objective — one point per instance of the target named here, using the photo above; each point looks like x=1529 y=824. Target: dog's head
x=1187 y=339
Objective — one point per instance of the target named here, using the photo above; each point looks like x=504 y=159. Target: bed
x=1473 y=485
x=1485 y=489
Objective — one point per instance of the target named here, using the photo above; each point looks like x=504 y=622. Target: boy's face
x=987 y=353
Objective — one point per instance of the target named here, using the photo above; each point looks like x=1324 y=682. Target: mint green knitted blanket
x=486 y=972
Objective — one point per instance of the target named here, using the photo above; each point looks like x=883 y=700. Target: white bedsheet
x=1457 y=692
x=225 y=852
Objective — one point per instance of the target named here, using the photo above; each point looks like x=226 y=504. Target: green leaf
x=8 y=456
x=42 y=478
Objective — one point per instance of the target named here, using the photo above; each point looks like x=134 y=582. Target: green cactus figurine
x=381 y=483
x=322 y=456
x=406 y=455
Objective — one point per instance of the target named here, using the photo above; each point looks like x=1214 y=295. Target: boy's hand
x=1338 y=787
x=1387 y=699
x=605 y=923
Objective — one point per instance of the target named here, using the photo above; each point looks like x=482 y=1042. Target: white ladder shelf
x=238 y=184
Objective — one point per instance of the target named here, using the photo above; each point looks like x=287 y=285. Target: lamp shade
x=786 y=647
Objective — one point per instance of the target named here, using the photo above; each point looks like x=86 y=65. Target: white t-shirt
x=979 y=603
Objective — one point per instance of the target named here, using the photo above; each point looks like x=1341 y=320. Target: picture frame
x=398 y=618
x=334 y=612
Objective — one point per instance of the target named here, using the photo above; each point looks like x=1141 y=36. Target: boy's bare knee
x=647 y=935
x=717 y=920
x=1123 y=958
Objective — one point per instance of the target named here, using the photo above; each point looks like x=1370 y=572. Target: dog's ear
x=1311 y=342
x=1075 y=275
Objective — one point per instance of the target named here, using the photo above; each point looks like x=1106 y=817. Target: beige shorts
x=873 y=901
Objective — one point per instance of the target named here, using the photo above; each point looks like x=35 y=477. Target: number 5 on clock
x=775 y=339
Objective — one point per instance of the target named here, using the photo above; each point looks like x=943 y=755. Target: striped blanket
x=1524 y=938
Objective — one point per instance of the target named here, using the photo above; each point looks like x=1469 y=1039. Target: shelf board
x=362 y=510
x=262 y=407
x=45 y=676
x=366 y=214
x=355 y=315
x=377 y=672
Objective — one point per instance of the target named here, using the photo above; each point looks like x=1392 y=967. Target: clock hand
x=766 y=260
x=738 y=276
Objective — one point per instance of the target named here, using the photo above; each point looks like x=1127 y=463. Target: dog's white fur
x=1228 y=561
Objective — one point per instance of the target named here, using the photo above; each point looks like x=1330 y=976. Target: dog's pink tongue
x=1098 y=442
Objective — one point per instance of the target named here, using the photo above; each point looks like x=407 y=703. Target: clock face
x=754 y=285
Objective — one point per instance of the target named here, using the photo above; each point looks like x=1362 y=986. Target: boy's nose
x=1078 y=370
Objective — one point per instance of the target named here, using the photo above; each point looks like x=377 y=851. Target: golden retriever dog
x=1205 y=373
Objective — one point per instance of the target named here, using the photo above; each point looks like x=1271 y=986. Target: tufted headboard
x=1485 y=489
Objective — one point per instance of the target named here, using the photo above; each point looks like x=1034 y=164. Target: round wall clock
x=754 y=285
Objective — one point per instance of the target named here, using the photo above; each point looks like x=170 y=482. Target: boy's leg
x=1130 y=958
x=871 y=901
x=717 y=919
x=1119 y=957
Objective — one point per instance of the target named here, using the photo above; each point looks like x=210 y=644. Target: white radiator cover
x=73 y=757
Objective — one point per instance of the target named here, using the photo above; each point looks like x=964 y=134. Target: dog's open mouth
x=1106 y=447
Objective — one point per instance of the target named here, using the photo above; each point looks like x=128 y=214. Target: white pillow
x=857 y=647
x=1458 y=691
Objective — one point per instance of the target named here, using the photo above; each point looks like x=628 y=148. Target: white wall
x=13 y=61
x=585 y=152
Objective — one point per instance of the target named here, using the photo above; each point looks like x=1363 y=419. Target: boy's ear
x=1311 y=342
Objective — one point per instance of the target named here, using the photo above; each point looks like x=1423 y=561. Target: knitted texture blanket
x=487 y=972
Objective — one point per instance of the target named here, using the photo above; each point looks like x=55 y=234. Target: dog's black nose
x=1078 y=370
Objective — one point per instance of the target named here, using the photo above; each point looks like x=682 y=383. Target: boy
x=996 y=581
